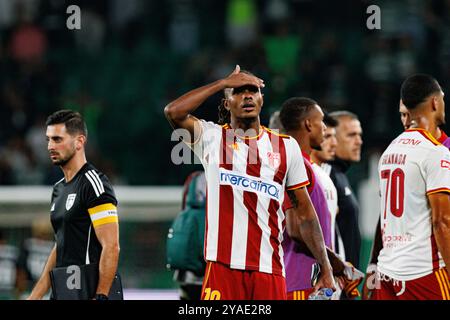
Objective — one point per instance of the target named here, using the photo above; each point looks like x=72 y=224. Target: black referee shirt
x=77 y=207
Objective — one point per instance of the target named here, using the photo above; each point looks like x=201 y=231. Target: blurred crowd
x=21 y=265
x=132 y=57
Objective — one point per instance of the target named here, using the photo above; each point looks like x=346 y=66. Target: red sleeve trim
x=438 y=190
x=298 y=186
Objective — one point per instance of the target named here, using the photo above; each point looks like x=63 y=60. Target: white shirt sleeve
x=437 y=170
x=209 y=132
x=296 y=176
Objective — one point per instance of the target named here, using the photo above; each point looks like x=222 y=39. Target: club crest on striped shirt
x=70 y=200
x=274 y=159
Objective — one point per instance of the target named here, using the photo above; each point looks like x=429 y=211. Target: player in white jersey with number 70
x=414 y=174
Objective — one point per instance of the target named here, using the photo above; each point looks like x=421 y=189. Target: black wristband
x=100 y=296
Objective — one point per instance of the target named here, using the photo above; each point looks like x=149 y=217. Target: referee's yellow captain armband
x=103 y=214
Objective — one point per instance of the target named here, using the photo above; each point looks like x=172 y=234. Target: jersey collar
x=82 y=169
x=443 y=137
x=426 y=135
x=257 y=137
x=340 y=164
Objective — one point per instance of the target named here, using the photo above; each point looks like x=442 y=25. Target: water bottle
x=322 y=294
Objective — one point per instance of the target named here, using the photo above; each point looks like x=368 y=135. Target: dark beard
x=317 y=148
x=63 y=162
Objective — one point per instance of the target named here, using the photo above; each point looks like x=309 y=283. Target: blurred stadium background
x=131 y=57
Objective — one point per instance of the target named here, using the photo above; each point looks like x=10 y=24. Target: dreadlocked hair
x=224 y=114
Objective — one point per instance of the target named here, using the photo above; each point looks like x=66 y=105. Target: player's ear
x=408 y=119
x=80 y=142
x=226 y=103
x=308 y=125
x=434 y=102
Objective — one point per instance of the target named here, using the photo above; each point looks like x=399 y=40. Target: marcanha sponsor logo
x=248 y=183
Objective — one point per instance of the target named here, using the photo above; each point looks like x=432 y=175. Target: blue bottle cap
x=328 y=292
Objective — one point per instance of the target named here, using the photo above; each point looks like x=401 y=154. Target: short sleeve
x=296 y=172
x=209 y=133
x=99 y=198
x=437 y=169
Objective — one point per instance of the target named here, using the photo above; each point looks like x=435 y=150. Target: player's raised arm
x=179 y=111
x=303 y=225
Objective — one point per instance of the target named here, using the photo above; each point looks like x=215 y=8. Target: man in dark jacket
x=348 y=151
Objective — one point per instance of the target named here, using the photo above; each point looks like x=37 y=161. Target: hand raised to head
x=238 y=79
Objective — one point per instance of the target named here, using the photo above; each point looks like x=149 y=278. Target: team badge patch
x=70 y=200
x=274 y=159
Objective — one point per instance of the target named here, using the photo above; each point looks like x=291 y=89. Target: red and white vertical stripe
x=244 y=228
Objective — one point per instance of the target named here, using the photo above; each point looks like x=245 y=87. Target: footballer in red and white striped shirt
x=247 y=168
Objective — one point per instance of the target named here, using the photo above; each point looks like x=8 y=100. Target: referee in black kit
x=83 y=209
